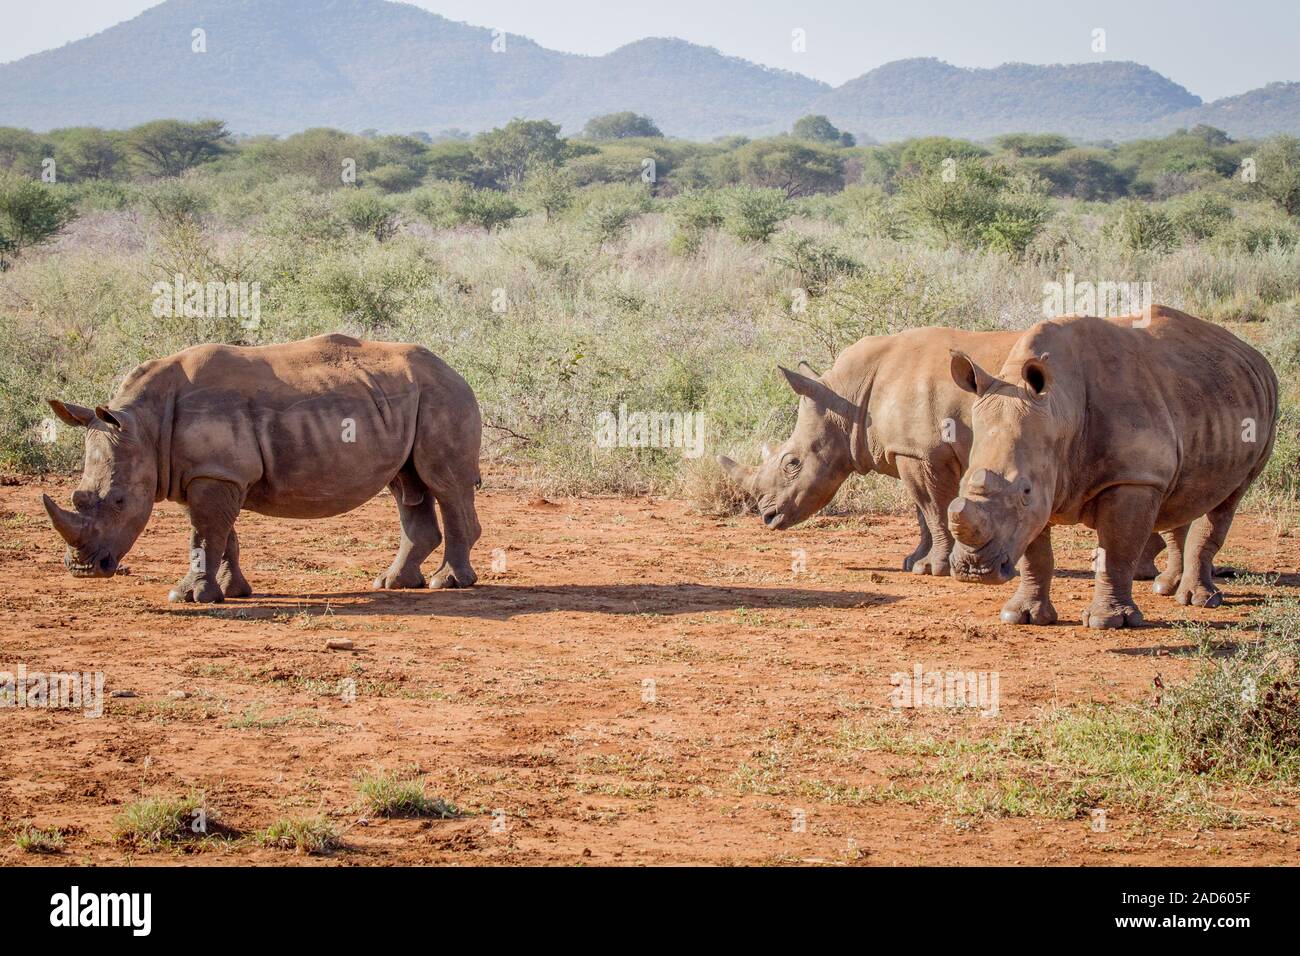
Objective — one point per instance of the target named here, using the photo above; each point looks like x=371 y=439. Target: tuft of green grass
x=312 y=836
x=30 y=839
x=386 y=794
x=154 y=822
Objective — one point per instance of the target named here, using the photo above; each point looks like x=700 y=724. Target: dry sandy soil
x=527 y=695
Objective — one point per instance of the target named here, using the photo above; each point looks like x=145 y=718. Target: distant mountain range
x=279 y=66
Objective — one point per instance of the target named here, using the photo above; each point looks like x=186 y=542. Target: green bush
x=485 y=208
x=814 y=263
x=549 y=190
x=393 y=178
x=31 y=213
x=974 y=205
x=754 y=214
x=1201 y=215
x=694 y=214
x=1140 y=226
x=368 y=212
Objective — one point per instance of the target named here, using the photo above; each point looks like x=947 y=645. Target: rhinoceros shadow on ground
x=1221 y=649
x=504 y=601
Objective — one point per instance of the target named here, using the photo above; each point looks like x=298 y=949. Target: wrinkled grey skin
x=1125 y=426
x=889 y=405
x=307 y=429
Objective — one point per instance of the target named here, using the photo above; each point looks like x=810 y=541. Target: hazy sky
x=1213 y=48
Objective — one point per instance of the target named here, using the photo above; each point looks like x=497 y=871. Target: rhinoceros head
x=1008 y=489
x=116 y=495
x=796 y=480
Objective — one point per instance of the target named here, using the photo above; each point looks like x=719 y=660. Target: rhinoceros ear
x=114 y=420
x=1037 y=374
x=968 y=375
x=78 y=416
x=801 y=384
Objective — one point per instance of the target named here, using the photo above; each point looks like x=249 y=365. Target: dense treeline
x=993 y=194
x=814 y=158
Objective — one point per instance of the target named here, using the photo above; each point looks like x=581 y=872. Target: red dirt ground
x=525 y=694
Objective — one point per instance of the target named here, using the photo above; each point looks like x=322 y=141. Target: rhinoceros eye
x=791 y=466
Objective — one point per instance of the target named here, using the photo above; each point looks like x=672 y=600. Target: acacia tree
x=170 y=147
x=796 y=168
x=625 y=125
x=86 y=152
x=509 y=152
x=819 y=129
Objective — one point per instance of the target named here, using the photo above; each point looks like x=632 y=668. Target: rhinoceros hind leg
x=420 y=536
x=923 y=547
x=1167 y=581
x=932 y=486
x=463 y=531
x=1203 y=543
x=213 y=505
x=1032 y=602
x=230 y=577
x=1146 y=569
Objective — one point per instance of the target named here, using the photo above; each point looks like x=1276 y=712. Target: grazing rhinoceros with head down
x=888 y=404
x=1122 y=425
x=308 y=429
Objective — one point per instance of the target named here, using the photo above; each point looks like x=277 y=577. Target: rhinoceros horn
x=966 y=523
x=67 y=523
x=738 y=473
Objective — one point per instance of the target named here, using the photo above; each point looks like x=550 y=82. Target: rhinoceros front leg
x=1125 y=515
x=213 y=507
x=230 y=577
x=933 y=489
x=462 y=530
x=1032 y=602
x=1146 y=569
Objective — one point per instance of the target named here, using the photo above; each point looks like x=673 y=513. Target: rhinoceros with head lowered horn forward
x=888 y=404
x=307 y=429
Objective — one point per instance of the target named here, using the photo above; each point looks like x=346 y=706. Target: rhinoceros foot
x=1110 y=614
x=392 y=580
x=237 y=589
x=197 y=592
x=1167 y=583
x=233 y=584
x=447 y=577
x=1200 y=596
x=937 y=565
x=1028 y=611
